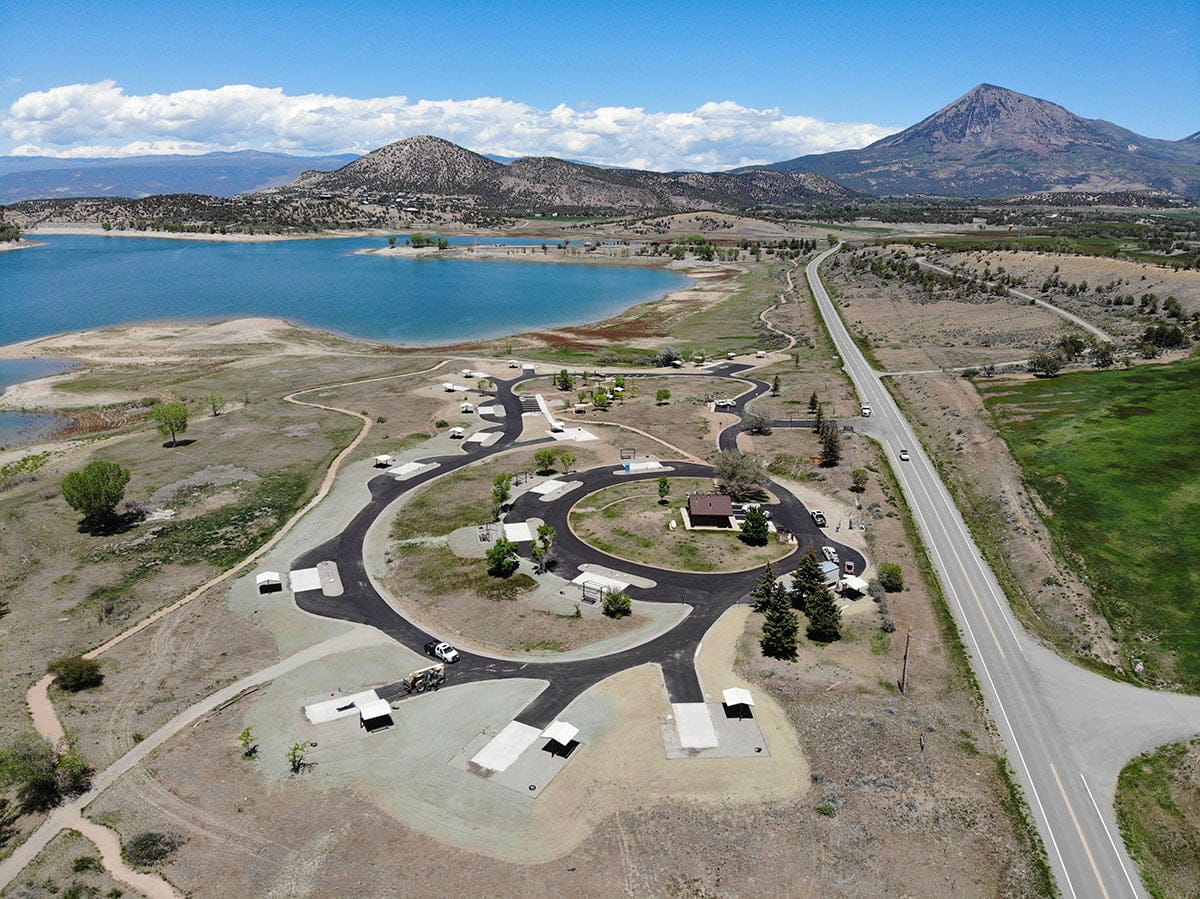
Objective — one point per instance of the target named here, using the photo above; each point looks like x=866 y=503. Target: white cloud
x=100 y=119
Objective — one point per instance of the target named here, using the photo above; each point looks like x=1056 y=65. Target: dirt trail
x=66 y=815
x=45 y=719
x=762 y=316
x=109 y=846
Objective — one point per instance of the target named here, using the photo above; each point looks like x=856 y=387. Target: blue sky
x=699 y=83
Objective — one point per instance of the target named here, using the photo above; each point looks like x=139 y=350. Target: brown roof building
x=709 y=509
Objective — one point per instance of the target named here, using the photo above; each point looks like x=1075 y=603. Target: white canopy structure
x=269 y=582
x=852 y=582
x=737 y=696
x=384 y=461
x=372 y=709
x=561 y=732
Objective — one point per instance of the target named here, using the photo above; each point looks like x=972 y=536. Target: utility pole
x=904 y=668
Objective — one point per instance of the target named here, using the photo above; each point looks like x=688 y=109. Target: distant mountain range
x=215 y=174
x=994 y=142
x=432 y=166
x=991 y=142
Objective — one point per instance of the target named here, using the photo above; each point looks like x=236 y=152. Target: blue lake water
x=77 y=282
x=20 y=428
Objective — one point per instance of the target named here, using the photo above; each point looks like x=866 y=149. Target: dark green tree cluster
x=808 y=596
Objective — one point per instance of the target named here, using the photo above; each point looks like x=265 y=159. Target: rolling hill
x=429 y=165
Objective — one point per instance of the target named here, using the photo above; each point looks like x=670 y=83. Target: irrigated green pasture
x=1115 y=456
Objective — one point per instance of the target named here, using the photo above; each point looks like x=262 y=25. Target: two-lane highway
x=1077 y=826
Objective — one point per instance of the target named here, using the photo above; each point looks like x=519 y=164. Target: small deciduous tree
x=1045 y=365
x=502 y=558
x=295 y=758
x=40 y=775
x=741 y=474
x=564 y=381
x=755 y=531
x=758 y=424
x=859 y=478
x=664 y=489
x=501 y=493
x=891 y=577
x=567 y=459
x=75 y=673
x=171 y=419
x=249 y=745
x=662 y=396
x=545 y=458
x=215 y=402
x=542 y=546
x=617 y=605
x=95 y=490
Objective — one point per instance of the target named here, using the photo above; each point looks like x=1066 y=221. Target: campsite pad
x=736 y=737
x=518 y=532
x=577 y=434
x=533 y=766
x=410 y=470
x=553 y=489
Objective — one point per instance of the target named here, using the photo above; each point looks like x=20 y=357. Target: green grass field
x=1115 y=456
x=1158 y=807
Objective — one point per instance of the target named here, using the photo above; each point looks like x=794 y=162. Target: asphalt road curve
x=708 y=594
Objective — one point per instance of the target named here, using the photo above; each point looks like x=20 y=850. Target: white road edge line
x=1079 y=830
x=1116 y=850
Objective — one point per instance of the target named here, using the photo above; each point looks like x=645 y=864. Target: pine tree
x=780 y=632
x=764 y=591
x=824 y=617
x=806 y=580
x=831 y=448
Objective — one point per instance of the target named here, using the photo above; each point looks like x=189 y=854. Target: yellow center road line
x=1079 y=830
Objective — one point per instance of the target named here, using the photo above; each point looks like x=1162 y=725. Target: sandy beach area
x=20 y=245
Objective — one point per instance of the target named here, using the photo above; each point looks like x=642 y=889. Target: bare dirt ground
x=908 y=331
x=1126 y=277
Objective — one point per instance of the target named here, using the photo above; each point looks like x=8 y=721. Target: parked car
x=443 y=651
x=818 y=518
x=830 y=554
x=903 y=455
x=724 y=404
x=866 y=411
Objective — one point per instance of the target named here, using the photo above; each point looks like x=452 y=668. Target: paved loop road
x=1068 y=731
x=708 y=595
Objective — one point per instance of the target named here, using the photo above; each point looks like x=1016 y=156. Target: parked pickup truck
x=818 y=518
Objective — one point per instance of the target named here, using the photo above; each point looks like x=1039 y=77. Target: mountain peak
x=993 y=141
x=989 y=116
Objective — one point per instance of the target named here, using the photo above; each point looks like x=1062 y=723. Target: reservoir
x=79 y=282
